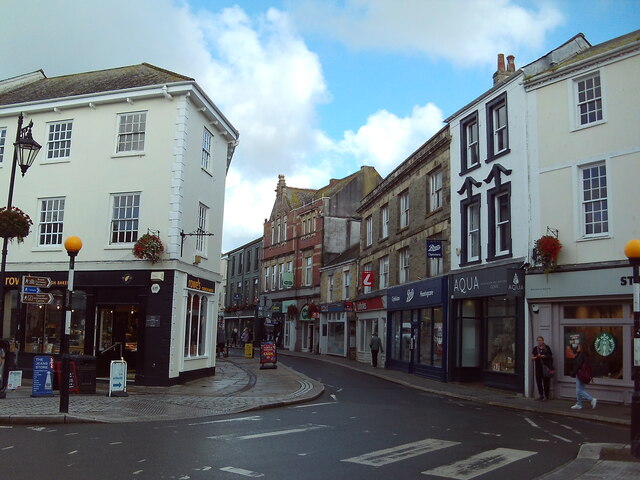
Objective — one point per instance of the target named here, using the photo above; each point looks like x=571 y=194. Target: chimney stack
x=503 y=73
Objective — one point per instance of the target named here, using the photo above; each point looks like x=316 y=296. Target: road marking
x=561 y=438
x=253 y=418
x=8 y=448
x=531 y=422
x=401 y=452
x=479 y=464
x=314 y=405
x=72 y=452
x=301 y=429
x=242 y=471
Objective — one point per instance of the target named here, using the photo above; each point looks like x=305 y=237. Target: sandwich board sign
x=118 y=379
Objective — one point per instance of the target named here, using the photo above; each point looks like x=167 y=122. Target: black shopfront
x=114 y=314
x=487 y=327
x=417 y=328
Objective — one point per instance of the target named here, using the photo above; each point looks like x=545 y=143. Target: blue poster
x=42 y=376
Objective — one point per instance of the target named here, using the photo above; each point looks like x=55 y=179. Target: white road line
x=301 y=429
x=8 y=448
x=531 y=422
x=561 y=438
x=253 y=418
x=401 y=452
x=314 y=405
x=242 y=471
x=479 y=464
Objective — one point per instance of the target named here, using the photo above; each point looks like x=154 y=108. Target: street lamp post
x=25 y=149
x=632 y=251
x=72 y=245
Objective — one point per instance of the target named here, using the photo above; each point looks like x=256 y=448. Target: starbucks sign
x=605 y=344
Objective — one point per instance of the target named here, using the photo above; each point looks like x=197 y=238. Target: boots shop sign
x=492 y=281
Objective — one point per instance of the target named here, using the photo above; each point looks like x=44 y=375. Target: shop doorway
x=116 y=337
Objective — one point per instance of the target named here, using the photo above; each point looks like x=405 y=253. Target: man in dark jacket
x=375 y=344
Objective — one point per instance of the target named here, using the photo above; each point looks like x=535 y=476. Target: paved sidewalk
x=240 y=385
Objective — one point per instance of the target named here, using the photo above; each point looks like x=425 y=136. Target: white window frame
x=404 y=209
x=124 y=218
x=51 y=222
x=502 y=224
x=368 y=267
x=587 y=201
x=3 y=141
x=384 y=221
x=383 y=272
x=195 y=335
x=284 y=229
x=368 y=222
x=267 y=273
x=203 y=220
x=274 y=277
x=436 y=266
x=472 y=146
x=308 y=270
x=473 y=232
x=403 y=265
x=330 y=288
x=435 y=190
x=207 y=142
x=59 y=140
x=346 y=284
x=132 y=127
x=588 y=100
x=280 y=277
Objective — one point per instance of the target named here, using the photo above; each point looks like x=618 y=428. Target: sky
x=317 y=88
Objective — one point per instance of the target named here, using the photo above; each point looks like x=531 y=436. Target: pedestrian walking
x=375 y=344
x=583 y=376
x=244 y=336
x=221 y=341
x=234 y=336
x=543 y=365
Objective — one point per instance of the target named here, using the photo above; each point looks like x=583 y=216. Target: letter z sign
x=367 y=279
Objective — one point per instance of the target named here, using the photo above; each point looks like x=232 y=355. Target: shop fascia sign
x=368 y=304
x=417 y=294
x=200 y=284
x=500 y=281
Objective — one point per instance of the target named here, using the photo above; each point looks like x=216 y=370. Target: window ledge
x=128 y=154
x=120 y=246
x=206 y=171
x=470 y=169
x=498 y=155
x=577 y=128
x=48 y=161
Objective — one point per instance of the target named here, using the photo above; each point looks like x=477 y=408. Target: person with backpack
x=583 y=376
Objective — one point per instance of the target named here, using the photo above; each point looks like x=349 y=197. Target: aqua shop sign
x=488 y=282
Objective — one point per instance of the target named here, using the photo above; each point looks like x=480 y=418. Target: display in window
x=603 y=344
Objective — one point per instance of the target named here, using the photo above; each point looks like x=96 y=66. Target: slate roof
x=99 y=81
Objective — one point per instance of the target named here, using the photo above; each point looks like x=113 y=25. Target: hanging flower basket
x=14 y=223
x=148 y=247
x=548 y=248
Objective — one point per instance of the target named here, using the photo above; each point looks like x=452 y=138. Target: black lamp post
x=632 y=251
x=72 y=245
x=25 y=150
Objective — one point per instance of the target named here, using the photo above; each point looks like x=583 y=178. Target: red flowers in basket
x=148 y=247
x=548 y=248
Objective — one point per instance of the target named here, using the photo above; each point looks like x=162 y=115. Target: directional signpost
x=31 y=290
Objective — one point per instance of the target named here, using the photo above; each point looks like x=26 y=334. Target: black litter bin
x=86 y=370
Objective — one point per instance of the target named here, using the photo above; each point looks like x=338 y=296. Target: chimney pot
x=511 y=65
x=501 y=62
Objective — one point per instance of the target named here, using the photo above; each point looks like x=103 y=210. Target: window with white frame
x=497 y=126
x=589 y=99
x=284 y=229
x=346 y=284
x=404 y=209
x=195 y=325
x=403 y=265
x=3 y=139
x=502 y=223
x=207 y=139
x=330 y=288
x=384 y=221
x=595 y=207
x=368 y=267
x=59 y=140
x=273 y=233
x=201 y=238
x=435 y=190
x=266 y=278
x=383 y=272
x=131 y=131
x=436 y=266
x=470 y=148
x=274 y=277
x=368 y=223
x=125 y=216
x=51 y=221
x=308 y=270
x=471 y=229
x=281 y=277
x=278 y=231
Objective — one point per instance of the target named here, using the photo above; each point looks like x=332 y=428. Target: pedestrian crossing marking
x=401 y=452
x=479 y=464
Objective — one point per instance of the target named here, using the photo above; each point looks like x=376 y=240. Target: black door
x=116 y=337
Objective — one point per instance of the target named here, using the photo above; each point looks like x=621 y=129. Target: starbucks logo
x=605 y=344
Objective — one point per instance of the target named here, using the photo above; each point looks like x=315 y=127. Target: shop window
x=195 y=326
x=401 y=328
x=431 y=334
x=501 y=334
x=604 y=345
x=43 y=325
x=336 y=337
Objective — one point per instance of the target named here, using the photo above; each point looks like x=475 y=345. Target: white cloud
x=465 y=32
x=386 y=139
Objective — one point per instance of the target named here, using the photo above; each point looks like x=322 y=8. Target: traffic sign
x=37 y=298
x=31 y=281
x=30 y=290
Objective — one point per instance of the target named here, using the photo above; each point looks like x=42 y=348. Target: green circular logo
x=605 y=344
